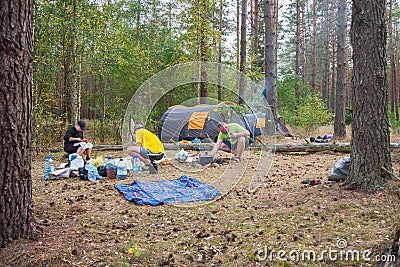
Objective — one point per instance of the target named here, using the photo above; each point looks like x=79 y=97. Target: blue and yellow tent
x=200 y=121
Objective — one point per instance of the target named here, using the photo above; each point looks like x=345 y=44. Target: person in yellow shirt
x=146 y=143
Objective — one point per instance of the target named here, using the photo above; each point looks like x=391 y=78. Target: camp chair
x=153 y=158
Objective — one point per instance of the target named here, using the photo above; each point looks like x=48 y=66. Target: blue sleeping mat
x=184 y=189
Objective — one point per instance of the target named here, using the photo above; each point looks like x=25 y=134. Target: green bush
x=312 y=113
x=348 y=117
x=394 y=123
x=307 y=111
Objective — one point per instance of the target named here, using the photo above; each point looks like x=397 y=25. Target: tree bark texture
x=243 y=54
x=221 y=7
x=393 y=82
x=297 y=56
x=16 y=33
x=370 y=155
x=203 y=50
x=332 y=91
x=339 y=131
x=325 y=52
x=314 y=48
x=255 y=29
x=270 y=51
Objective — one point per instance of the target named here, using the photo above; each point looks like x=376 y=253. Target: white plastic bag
x=60 y=174
x=341 y=167
x=76 y=161
x=181 y=154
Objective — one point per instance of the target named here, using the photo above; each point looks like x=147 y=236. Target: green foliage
x=307 y=111
x=312 y=113
x=394 y=124
x=134 y=253
x=113 y=46
x=47 y=133
x=105 y=131
x=348 y=117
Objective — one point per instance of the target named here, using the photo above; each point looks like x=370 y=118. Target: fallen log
x=279 y=148
x=313 y=147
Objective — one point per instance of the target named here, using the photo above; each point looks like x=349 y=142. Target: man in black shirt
x=73 y=140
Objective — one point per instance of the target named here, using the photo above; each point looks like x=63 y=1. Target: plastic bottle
x=111 y=169
x=136 y=165
x=48 y=166
x=122 y=170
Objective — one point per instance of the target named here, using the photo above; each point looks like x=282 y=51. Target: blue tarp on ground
x=184 y=189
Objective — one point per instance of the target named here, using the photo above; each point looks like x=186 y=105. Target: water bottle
x=122 y=170
x=48 y=167
x=136 y=165
x=111 y=169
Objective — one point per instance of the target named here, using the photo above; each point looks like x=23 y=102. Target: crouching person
x=232 y=138
x=147 y=144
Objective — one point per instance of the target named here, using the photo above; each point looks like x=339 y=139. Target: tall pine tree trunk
x=243 y=47
x=314 y=48
x=297 y=59
x=16 y=31
x=340 y=127
x=270 y=64
x=370 y=162
x=325 y=52
x=237 y=33
x=393 y=80
x=255 y=31
x=331 y=105
x=304 y=67
x=221 y=6
x=203 y=51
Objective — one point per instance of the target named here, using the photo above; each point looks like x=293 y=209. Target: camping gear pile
x=90 y=171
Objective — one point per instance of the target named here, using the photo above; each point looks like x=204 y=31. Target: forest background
x=91 y=57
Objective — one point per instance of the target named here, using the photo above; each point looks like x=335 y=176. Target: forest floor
x=91 y=224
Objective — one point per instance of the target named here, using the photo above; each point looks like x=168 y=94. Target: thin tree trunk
x=303 y=43
x=340 y=126
x=393 y=81
x=314 y=48
x=254 y=27
x=74 y=76
x=221 y=6
x=137 y=30
x=297 y=56
x=237 y=33
x=333 y=64
x=203 y=51
x=243 y=46
x=325 y=60
x=397 y=73
x=16 y=57
x=270 y=51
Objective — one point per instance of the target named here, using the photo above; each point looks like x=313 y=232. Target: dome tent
x=201 y=121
